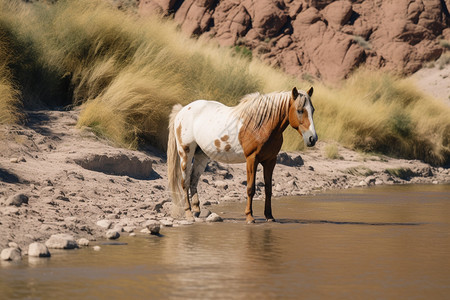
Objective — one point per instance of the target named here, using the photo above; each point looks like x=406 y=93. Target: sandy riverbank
x=49 y=161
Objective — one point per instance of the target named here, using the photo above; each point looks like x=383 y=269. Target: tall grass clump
x=10 y=102
x=378 y=112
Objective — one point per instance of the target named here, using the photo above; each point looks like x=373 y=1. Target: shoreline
x=73 y=180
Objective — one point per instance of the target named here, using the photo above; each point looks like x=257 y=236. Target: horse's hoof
x=271 y=220
x=196 y=214
x=251 y=221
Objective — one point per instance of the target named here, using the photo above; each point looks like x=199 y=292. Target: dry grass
x=378 y=112
x=332 y=151
x=10 y=103
x=127 y=73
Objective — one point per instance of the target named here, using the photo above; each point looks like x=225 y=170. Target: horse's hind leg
x=186 y=154
x=200 y=162
x=268 y=166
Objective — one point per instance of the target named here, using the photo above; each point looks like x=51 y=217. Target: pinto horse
x=251 y=132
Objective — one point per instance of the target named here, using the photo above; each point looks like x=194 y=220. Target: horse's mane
x=256 y=109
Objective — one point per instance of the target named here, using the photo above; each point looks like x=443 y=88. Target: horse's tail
x=173 y=164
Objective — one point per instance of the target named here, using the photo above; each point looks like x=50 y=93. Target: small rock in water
x=370 y=180
x=112 y=234
x=96 y=248
x=153 y=226
x=362 y=183
x=83 y=242
x=13 y=254
x=61 y=241
x=132 y=234
x=104 y=224
x=213 y=217
x=38 y=250
x=17 y=200
x=145 y=231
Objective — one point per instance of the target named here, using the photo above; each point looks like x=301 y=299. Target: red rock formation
x=320 y=38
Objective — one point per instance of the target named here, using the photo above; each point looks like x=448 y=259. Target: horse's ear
x=294 y=93
x=310 y=91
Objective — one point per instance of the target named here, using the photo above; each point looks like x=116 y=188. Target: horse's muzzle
x=309 y=138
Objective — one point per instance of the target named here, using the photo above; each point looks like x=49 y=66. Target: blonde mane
x=256 y=109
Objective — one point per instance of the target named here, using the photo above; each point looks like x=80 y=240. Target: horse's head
x=301 y=115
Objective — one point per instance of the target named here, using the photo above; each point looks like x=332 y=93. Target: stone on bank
x=61 y=241
x=38 y=250
x=13 y=254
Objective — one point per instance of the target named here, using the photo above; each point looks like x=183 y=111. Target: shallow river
x=381 y=243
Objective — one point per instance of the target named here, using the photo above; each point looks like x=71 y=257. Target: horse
x=250 y=132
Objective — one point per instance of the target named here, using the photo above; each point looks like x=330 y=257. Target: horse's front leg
x=268 y=166
x=251 y=176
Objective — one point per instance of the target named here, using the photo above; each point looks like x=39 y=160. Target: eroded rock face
x=117 y=164
x=320 y=38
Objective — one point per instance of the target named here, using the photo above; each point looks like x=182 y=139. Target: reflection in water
x=379 y=243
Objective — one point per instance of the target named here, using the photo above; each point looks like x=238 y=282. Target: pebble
x=38 y=250
x=166 y=222
x=204 y=213
x=132 y=234
x=14 y=160
x=362 y=183
x=112 y=234
x=221 y=184
x=96 y=248
x=13 y=245
x=17 y=200
x=83 y=242
x=213 y=217
x=13 y=254
x=129 y=229
x=106 y=224
x=185 y=222
x=118 y=228
x=61 y=241
x=145 y=231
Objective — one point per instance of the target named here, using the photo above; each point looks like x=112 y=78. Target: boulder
x=17 y=200
x=61 y=241
x=153 y=226
x=83 y=242
x=106 y=224
x=213 y=217
x=38 y=250
x=12 y=254
x=112 y=234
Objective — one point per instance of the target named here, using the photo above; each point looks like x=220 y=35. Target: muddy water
x=383 y=243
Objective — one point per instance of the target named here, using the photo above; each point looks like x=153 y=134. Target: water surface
x=382 y=243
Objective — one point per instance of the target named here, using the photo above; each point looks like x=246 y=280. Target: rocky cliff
x=323 y=39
